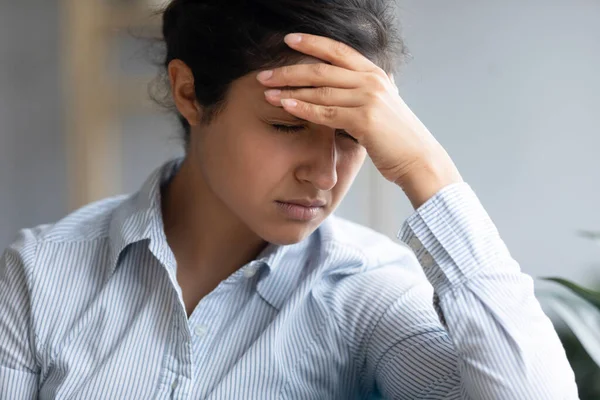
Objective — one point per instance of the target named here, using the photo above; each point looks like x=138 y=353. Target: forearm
x=507 y=347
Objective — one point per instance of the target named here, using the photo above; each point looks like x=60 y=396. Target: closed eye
x=345 y=134
x=298 y=128
x=288 y=128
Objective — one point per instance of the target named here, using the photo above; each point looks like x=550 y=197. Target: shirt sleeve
x=18 y=371
x=496 y=342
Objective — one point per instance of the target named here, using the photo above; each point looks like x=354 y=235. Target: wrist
x=426 y=180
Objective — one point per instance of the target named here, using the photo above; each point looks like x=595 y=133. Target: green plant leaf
x=580 y=315
x=590 y=295
x=592 y=235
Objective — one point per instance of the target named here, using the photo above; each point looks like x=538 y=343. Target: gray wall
x=511 y=89
x=32 y=157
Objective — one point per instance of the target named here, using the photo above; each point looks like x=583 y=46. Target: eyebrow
x=296 y=119
x=292 y=120
x=289 y=116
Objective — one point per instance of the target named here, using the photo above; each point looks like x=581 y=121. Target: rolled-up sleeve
x=19 y=373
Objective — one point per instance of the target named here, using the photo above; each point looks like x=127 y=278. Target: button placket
x=415 y=244
x=427 y=260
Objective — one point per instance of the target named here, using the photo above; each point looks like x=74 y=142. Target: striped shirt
x=90 y=308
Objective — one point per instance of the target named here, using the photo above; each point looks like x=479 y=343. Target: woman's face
x=257 y=171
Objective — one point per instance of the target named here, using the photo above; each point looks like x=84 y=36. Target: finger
x=320 y=74
x=331 y=50
x=324 y=95
x=334 y=117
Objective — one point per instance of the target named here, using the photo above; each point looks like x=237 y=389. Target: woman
x=226 y=277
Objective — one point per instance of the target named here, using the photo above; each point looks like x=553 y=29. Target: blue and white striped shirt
x=90 y=308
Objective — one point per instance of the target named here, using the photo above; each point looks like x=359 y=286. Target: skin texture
x=237 y=168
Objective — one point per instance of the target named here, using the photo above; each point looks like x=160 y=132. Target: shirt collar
x=285 y=268
x=139 y=218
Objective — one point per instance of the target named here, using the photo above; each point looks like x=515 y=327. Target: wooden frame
x=94 y=98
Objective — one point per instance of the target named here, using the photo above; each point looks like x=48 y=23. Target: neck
x=202 y=231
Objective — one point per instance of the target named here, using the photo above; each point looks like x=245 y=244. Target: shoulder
x=353 y=249
x=365 y=271
x=47 y=261
x=88 y=223
x=368 y=276
x=51 y=243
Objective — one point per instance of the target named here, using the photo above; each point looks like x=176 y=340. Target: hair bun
x=176 y=10
x=171 y=16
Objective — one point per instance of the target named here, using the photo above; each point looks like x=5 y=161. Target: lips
x=306 y=202
x=307 y=210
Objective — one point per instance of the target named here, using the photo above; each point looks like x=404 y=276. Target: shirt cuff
x=453 y=237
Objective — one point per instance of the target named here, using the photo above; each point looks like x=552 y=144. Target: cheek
x=348 y=166
x=350 y=161
x=262 y=161
x=247 y=162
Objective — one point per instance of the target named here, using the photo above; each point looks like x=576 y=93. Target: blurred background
x=511 y=89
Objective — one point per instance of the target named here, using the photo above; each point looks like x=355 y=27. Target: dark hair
x=223 y=40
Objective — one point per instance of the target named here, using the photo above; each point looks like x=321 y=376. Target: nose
x=320 y=168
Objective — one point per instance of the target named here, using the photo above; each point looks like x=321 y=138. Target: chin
x=288 y=233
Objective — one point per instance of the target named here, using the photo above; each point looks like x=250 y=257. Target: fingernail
x=289 y=102
x=293 y=38
x=265 y=75
x=273 y=93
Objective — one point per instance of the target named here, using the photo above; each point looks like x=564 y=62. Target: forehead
x=250 y=91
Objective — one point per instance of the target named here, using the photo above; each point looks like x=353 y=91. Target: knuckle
x=324 y=92
x=305 y=108
x=340 y=49
x=373 y=96
x=319 y=69
x=376 y=82
x=329 y=113
x=380 y=72
x=285 y=72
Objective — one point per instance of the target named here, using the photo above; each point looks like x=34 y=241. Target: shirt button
x=415 y=243
x=249 y=272
x=174 y=385
x=427 y=260
x=200 y=330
